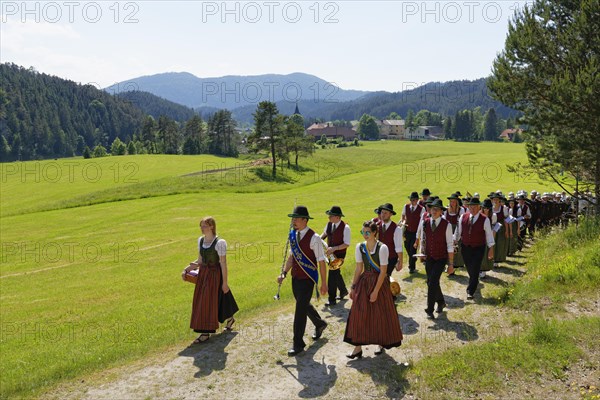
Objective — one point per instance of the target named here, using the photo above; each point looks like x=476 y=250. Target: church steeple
x=297 y=111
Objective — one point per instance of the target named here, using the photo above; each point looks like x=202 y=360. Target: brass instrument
x=394 y=287
x=332 y=261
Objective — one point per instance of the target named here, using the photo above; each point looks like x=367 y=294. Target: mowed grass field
x=92 y=250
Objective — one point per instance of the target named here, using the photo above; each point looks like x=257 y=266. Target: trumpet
x=332 y=261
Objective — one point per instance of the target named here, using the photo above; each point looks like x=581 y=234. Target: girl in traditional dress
x=213 y=301
x=502 y=236
x=373 y=318
x=486 y=263
x=513 y=244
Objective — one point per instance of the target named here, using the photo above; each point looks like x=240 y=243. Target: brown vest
x=476 y=236
x=412 y=218
x=436 y=246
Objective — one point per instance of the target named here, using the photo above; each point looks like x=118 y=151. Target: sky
x=362 y=45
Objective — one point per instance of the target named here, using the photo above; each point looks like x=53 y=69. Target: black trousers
x=391 y=265
x=409 y=242
x=473 y=257
x=434 y=270
x=303 y=290
x=335 y=281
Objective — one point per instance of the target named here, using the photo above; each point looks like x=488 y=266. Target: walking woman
x=486 y=263
x=213 y=301
x=373 y=318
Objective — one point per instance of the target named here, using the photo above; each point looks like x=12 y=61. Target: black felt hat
x=300 y=212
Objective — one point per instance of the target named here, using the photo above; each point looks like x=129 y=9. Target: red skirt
x=373 y=323
x=205 y=306
x=210 y=305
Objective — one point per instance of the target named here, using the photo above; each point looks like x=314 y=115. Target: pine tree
x=490 y=132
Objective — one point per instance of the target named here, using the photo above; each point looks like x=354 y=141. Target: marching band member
x=452 y=215
x=391 y=235
x=503 y=234
x=486 y=263
x=307 y=261
x=425 y=194
x=411 y=215
x=438 y=250
x=373 y=318
x=337 y=233
x=475 y=232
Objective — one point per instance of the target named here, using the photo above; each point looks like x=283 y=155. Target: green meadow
x=92 y=250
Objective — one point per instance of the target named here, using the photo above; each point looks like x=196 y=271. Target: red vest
x=337 y=238
x=499 y=215
x=412 y=218
x=436 y=246
x=453 y=219
x=477 y=235
x=297 y=271
x=388 y=239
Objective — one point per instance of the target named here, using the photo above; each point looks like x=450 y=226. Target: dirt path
x=251 y=362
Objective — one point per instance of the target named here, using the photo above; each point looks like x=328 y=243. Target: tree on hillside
x=490 y=126
x=394 y=116
x=222 y=137
x=550 y=71
x=367 y=128
x=195 y=139
x=448 y=127
x=168 y=135
x=297 y=141
x=268 y=128
x=149 y=135
x=409 y=121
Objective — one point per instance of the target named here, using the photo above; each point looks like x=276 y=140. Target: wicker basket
x=192 y=276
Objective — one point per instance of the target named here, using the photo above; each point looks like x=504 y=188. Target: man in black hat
x=437 y=244
x=391 y=235
x=475 y=232
x=424 y=196
x=307 y=261
x=411 y=217
x=337 y=233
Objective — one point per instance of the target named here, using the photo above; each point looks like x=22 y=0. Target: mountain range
x=315 y=97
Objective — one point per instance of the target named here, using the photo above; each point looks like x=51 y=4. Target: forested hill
x=446 y=98
x=44 y=116
x=157 y=106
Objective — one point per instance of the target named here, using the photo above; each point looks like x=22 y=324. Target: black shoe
x=319 y=331
x=355 y=355
x=469 y=296
x=441 y=308
x=379 y=351
x=330 y=303
x=412 y=271
x=429 y=314
x=294 y=352
x=342 y=295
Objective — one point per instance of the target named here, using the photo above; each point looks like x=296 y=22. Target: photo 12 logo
x=70 y=11
x=453 y=12
x=252 y=12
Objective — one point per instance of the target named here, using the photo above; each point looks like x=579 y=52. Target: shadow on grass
x=509 y=271
x=316 y=377
x=464 y=332
x=266 y=175
x=209 y=356
x=385 y=371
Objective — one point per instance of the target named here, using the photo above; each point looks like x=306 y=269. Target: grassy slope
x=563 y=273
x=110 y=290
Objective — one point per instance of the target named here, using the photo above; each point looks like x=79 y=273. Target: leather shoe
x=342 y=296
x=330 y=303
x=469 y=296
x=355 y=355
x=441 y=308
x=429 y=314
x=294 y=352
x=319 y=331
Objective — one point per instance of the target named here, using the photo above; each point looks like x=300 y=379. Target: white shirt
x=346 y=232
x=220 y=247
x=383 y=254
x=449 y=237
x=398 y=233
x=316 y=244
x=487 y=227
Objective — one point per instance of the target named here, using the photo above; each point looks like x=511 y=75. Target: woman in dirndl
x=513 y=243
x=373 y=318
x=213 y=301
x=487 y=264
x=503 y=235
